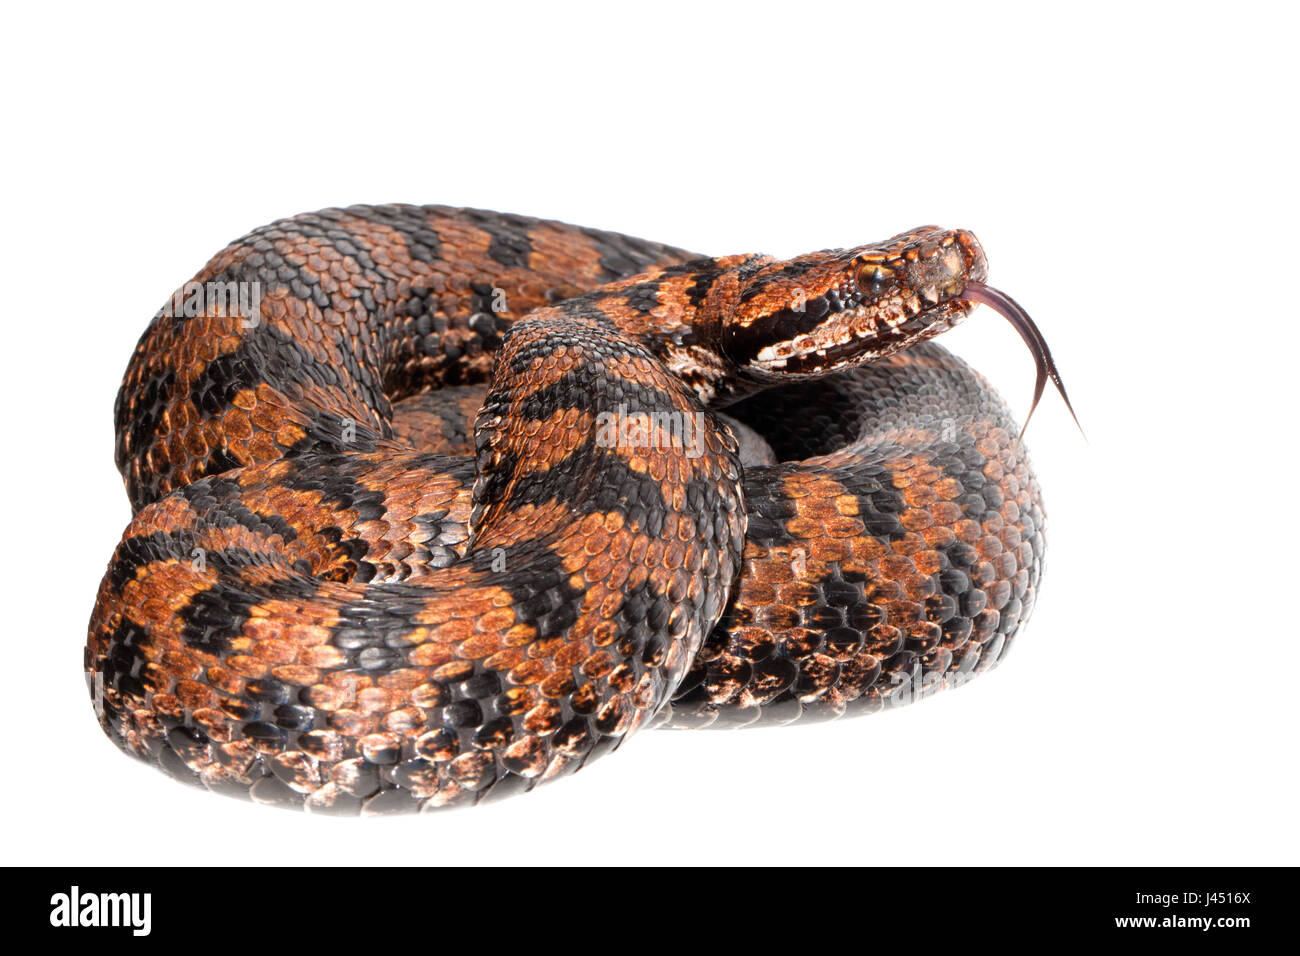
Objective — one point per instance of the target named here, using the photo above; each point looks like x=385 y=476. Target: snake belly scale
x=466 y=498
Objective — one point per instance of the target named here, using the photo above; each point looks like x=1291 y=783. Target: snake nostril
x=946 y=268
x=976 y=265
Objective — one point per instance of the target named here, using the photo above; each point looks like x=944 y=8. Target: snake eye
x=873 y=277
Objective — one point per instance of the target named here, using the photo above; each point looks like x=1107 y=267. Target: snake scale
x=432 y=505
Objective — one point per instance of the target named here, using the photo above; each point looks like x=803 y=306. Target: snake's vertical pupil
x=873 y=278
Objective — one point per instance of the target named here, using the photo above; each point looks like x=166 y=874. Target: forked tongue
x=1010 y=309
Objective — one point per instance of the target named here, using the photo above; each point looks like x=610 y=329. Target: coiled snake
x=431 y=504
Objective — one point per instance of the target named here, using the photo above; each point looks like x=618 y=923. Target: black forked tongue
x=1010 y=309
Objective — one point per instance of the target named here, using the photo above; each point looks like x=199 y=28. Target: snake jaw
x=868 y=337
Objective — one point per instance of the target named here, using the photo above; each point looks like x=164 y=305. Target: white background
x=1130 y=170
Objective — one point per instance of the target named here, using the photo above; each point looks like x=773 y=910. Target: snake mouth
x=896 y=333
x=860 y=342
x=1014 y=313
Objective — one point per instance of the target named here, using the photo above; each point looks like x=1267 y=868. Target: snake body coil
x=432 y=504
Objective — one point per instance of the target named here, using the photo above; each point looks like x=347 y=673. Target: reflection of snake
x=315 y=606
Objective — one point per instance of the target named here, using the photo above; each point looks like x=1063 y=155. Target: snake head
x=840 y=308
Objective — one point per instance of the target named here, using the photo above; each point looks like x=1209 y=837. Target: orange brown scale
x=319 y=604
x=877 y=584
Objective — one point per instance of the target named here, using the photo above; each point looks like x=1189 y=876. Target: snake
x=432 y=505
